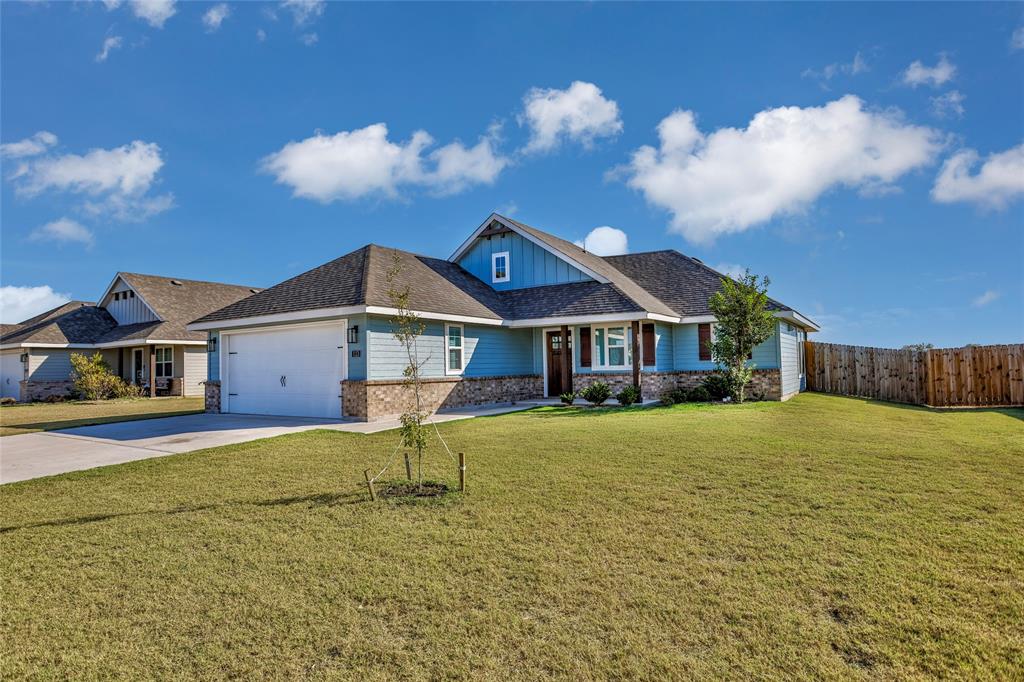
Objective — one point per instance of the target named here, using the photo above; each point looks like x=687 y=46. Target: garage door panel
x=309 y=358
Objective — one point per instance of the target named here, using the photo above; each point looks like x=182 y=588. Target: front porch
x=161 y=370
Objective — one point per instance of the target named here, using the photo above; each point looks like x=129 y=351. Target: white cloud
x=153 y=12
x=507 y=209
x=309 y=39
x=1017 y=39
x=986 y=298
x=580 y=113
x=304 y=11
x=605 y=241
x=18 y=304
x=117 y=180
x=353 y=164
x=999 y=181
x=732 y=179
x=731 y=269
x=215 y=16
x=857 y=66
x=30 y=146
x=949 y=105
x=62 y=231
x=919 y=74
x=109 y=45
x=261 y=35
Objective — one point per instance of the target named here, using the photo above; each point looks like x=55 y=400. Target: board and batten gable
x=125 y=306
x=529 y=265
x=487 y=351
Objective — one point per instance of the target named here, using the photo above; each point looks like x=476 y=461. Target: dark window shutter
x=584 y=346
x=703 y=339
x=649 y=352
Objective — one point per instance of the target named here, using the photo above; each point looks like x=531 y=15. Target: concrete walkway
x=33 y=455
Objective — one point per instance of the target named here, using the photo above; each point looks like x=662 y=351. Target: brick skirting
x=379 y=399
x=40 y=390
x=212 y=393
x=766 y=384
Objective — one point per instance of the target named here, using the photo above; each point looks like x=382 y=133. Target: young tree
x=918 y=346
x=407 y=327
x=744 y=321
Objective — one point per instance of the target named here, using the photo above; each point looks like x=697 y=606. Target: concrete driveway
x=33 y=455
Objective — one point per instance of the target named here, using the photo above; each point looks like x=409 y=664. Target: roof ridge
x=185 y=279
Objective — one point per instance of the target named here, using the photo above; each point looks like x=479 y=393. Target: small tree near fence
x=743 y=321
x=407 y=326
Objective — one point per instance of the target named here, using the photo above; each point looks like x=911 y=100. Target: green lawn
x=822 y=538
x=29 y=417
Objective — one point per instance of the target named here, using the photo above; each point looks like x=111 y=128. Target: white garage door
x=293 y=372
x=12 y=371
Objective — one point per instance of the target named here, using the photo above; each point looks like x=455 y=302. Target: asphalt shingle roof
x=75 y=322
x=685 y=284
x=662 y=282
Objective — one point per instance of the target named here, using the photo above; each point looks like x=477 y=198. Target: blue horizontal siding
x=213 y=358
x=529 y=264
x=686 y=350
x=488 y=351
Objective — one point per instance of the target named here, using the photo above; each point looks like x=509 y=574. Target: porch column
x=152 y=371
x=566 y=360
x=636 y=353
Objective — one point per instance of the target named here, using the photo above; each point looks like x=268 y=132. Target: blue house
x=514 y=314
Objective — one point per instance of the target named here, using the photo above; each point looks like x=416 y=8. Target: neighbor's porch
x=161 y=369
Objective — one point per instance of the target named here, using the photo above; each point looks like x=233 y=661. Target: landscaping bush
x=596 y=393
x=55 y=398
x=717 y=385
x=93 y=380
x=629 y=395
x=698 y=394
x=568 y=397
x=7 y=401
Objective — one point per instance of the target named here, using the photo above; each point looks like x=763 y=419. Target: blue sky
x=868 y=158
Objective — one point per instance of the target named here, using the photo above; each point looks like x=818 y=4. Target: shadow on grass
x=1012 y=412
x=317 y=500
x=35 y=427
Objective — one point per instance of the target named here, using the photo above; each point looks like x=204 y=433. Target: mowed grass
x=29 y=417
x=822 y=538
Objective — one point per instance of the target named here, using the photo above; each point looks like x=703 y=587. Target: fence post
x=462 y=472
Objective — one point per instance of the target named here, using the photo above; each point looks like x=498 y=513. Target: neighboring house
x=514 y=314
x=139 y=327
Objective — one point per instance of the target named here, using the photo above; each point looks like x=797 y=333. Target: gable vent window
x=131 y=294
x=500 y=267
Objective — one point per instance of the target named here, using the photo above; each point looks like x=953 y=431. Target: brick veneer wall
x=40 y=390
x=379 y=399
x=212 y=393
x=766 y=383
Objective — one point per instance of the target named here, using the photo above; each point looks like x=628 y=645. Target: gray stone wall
x=40 y=390
x=212 y=392
x=380 y=399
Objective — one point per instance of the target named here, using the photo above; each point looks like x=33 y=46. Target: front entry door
x=138 y=366
x=557 y=383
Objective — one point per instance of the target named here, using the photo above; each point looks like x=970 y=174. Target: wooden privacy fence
x=975 y=376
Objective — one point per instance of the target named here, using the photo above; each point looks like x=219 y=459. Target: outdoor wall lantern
x=353 y=334
x=24 y=357
x=211 y=344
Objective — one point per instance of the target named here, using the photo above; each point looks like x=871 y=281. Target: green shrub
x=93 y=379
x=717 y=385
x=7 y=400
x=629 y=395
x=698 y=394
x=568 y=397
x=596 y=393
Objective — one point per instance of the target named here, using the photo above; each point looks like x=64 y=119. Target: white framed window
x=612 y=346
x=164 y=362
x=500 y=270
x=454 y=343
